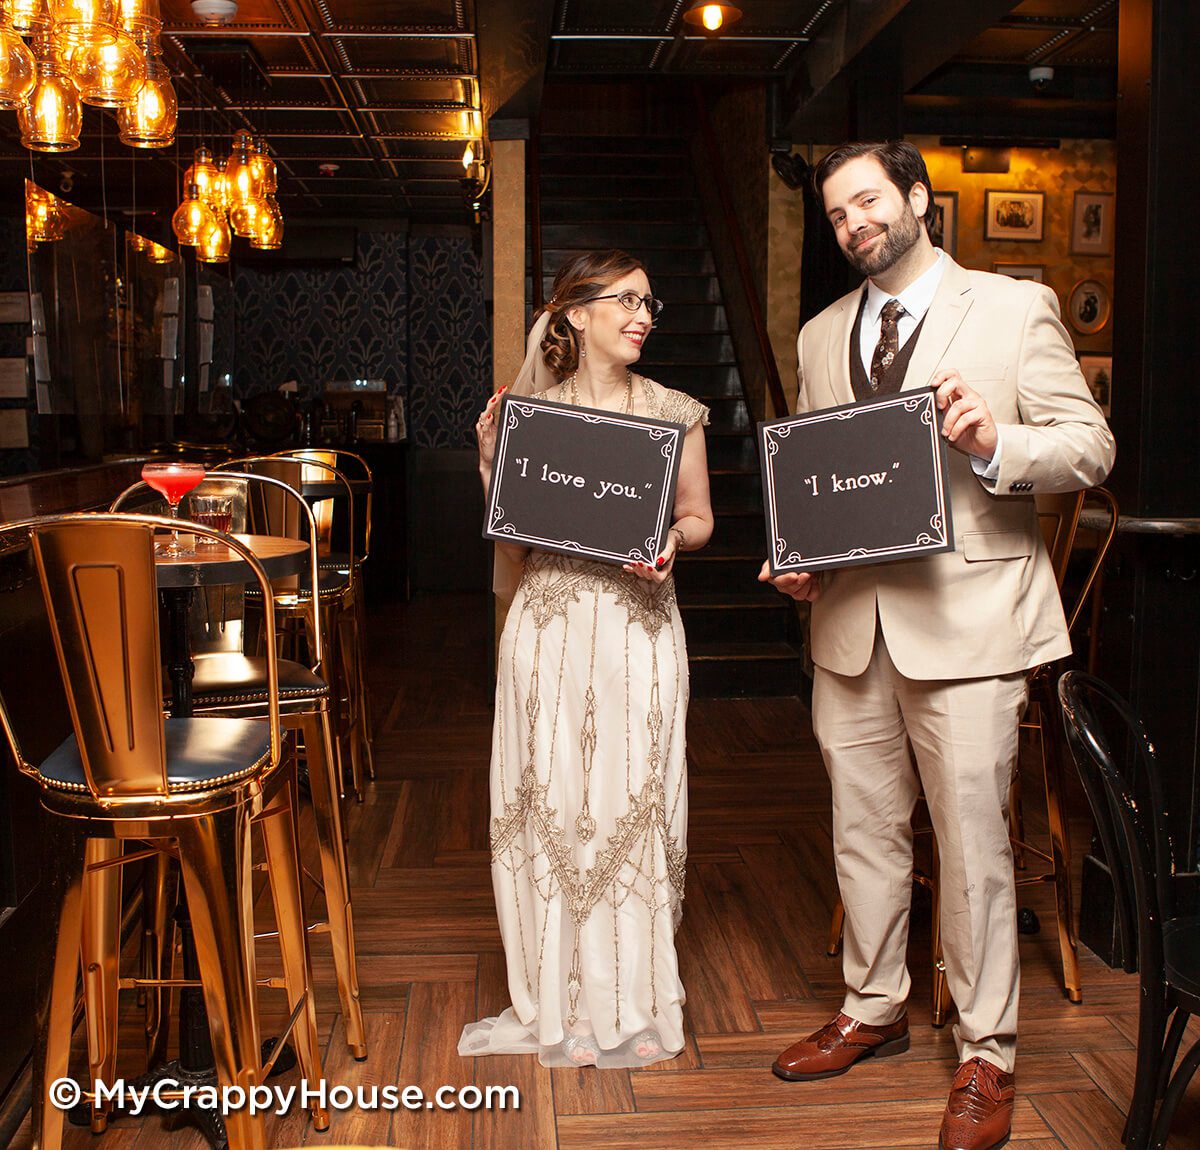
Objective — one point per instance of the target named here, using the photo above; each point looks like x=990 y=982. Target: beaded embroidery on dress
x=589 y=808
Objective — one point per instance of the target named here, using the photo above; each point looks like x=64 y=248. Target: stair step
x=705 y=574
x=745 y=670
x=581 y=168
x=753 y=623
x=660 y=259
x=704 y=381
x=675 y=290
x=636 y=208
x=728 y=415
x=728 y=486
x=738 y=536
x=629 y=235
x=732 y=453
x=598 y=187
x=682 y=316
x=699 y=349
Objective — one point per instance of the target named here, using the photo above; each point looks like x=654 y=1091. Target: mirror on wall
x=107 y=313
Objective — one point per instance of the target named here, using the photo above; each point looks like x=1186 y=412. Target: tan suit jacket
x=990 y=607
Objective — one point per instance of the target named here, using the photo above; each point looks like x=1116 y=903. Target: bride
x=588 y=775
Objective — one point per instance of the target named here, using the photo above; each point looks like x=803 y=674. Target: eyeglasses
x=631 y=301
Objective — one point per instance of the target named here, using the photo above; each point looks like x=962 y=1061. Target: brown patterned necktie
x=889 y=341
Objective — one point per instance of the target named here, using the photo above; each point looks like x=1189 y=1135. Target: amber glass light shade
x=27 y=16
x=139 y=16
x=193 y=218
x=148 y=121
x=219 y=198
x=205 y=174
x=158 y=254
x=18 y=69
x=77 y=23
x=244 y=218
x=51 y=116
x=268 y=226
x=264 y=166
x=109 y=75
x=712 y=17
x=44 y=221
x=245 y=184
x=214 y=245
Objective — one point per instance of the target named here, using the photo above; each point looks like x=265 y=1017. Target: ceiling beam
x=513 y=41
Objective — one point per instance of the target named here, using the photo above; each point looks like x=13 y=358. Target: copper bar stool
x=358 y=474
x=191 y=787
x=334 y=600
x=232 y=683
x=1058 y=516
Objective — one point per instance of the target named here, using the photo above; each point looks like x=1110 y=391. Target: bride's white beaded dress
x=589 y=808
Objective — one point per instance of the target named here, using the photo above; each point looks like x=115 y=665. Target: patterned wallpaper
x=409 y=312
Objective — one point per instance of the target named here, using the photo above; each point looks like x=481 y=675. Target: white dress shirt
x=915 y=299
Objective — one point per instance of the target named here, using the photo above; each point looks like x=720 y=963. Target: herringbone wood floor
x=752 y=953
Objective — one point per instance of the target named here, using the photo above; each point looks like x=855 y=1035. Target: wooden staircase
x=638 y=193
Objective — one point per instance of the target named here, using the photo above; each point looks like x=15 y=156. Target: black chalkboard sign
x=588 y=483
x=862 y=483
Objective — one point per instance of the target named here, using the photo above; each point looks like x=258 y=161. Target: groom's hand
x=803 y=586
x=968 y=425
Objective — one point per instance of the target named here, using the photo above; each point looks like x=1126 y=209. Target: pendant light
x=109 y=75
x=51 y=116
x=193 y=218
x=18 y=69
x=712 y=17
x=214 y=245
x=44 y=221
x=28 y=17
x=78 y=23
x=139 y=16
x=268 y=228
x=264 y=166
x=148 y=121
x=205 y=174
x=243 y=218
x=245 y=184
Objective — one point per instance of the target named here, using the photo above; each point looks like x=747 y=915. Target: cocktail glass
x=173 y=480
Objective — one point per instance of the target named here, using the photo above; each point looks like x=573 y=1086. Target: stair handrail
x=761 y=335
x=534 y=199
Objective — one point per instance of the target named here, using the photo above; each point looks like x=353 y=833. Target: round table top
x=211 y=565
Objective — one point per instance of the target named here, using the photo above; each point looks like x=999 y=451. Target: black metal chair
x=1119 y=768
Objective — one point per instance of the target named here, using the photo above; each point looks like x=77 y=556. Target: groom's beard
x=898 y=240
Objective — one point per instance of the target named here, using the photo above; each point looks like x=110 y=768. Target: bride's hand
x=485 y=430
x=658 y=572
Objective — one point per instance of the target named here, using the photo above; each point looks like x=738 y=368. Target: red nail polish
x=661 y=562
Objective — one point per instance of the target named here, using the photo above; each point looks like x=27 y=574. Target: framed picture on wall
x=1097 y=370
x=1092 y=224
x=1022 y=271
x=1089 y=306
x=1011 y=215
x=944 y=232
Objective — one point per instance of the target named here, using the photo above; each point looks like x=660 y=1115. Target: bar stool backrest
x=353 y=467
x=1058 y=517
x=101 y=595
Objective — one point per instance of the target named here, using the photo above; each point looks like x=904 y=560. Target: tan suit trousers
x=963 y=734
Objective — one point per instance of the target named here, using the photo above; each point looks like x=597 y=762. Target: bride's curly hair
x=578 y=281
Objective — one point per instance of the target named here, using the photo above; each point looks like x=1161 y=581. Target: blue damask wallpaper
x=410 y=312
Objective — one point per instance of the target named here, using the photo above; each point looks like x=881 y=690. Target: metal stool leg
x=100 y=952
x=283 y=868
x=941 y=989
x=56 y=992
x=837 y=924
x=335 y=872
x=215 y=859
x=360 y=615
x=158 y=952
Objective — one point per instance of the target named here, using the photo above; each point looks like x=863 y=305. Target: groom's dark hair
x=902 y=161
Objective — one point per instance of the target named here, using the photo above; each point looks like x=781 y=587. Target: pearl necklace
x=626 y=405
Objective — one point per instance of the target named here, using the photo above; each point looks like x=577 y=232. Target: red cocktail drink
x=173 y=480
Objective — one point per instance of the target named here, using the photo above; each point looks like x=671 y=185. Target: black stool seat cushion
x=201 y=753
x=330 y=582
x=337 y=561
x=1181 y=956
x=233 y=678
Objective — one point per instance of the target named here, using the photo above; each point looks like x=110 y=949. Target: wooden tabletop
x=210 y=565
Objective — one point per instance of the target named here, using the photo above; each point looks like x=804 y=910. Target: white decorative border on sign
x=654 y=429
x=935 y=537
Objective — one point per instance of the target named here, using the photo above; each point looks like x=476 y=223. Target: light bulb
x=245 y=183
x=193 y=219
x=109 y=75
x=148 y=120
x=205 y=174
x=468 y=156
x=214 y=245
x=139 y=16
x=268 y=226
x=712 y=16
x=28 y=16
x=18 y=69
x=244 y=218
x=51 y=116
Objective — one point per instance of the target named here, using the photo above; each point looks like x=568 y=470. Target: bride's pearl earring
x=582 y=347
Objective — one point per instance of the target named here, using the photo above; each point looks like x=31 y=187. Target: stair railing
x=747 y=326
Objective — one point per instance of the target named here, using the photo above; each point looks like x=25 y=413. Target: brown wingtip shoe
x=837 y=1046
x=979 y=1113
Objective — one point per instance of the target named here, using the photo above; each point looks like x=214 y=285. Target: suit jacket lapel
x=950 y=305
x=840 y=327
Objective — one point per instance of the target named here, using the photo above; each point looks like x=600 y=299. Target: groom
x=933 y=652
